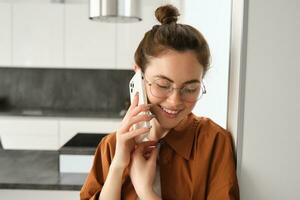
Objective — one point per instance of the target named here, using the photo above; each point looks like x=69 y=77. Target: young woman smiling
x=184 y=157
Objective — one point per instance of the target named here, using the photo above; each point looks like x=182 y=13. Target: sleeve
x=99 y=171
x=223 y=184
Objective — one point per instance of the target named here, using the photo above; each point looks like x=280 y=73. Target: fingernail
x=137 y=93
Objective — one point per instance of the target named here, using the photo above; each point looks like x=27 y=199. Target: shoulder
x=209 y=132
x=208 y=126
x=107 y=144
x=109 y=139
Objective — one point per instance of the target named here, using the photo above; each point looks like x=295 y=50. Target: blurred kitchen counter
x=35 y=169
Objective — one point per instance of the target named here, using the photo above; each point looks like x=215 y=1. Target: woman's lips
x=171 y=113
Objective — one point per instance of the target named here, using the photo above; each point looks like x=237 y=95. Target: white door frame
x=237 y=74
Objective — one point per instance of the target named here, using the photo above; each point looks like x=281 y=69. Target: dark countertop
x=82 y=144
x=61 y=113
x=31 y=169
x=66 y=181
x=36 y=169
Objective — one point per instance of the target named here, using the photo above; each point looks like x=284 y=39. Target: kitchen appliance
x=115 y=10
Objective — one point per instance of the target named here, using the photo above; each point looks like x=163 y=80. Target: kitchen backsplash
x=64 y=90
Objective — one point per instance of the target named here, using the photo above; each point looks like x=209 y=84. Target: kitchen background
x=62 y=74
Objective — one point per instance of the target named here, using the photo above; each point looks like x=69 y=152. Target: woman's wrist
x=116 y=167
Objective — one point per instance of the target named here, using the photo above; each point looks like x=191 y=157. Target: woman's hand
x=125 y=135
x=143 y=168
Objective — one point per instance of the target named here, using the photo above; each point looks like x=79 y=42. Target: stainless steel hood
x=115 y=10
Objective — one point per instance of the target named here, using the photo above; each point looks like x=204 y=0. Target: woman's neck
x=157 y=131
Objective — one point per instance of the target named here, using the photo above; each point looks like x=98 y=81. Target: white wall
x=212 y=19
x=270 y=152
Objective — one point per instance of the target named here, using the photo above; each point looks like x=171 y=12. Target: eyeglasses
x=162 y=88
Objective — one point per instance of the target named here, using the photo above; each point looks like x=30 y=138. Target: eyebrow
x=187 y=82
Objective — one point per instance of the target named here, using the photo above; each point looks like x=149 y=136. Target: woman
x=185 y=157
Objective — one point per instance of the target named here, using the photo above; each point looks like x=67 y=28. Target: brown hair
x=171 y=35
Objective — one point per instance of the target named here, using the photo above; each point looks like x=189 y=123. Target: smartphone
x=137 y=84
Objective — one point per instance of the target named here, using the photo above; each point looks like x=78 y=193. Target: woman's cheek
x=190 y=106
x=153 y=100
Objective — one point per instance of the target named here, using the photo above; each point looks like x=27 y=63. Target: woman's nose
x=175 y=97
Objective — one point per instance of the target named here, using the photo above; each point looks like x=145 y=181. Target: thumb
x=154 y=155
x=135 y=101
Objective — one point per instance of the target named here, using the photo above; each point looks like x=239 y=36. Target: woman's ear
x=136 y=68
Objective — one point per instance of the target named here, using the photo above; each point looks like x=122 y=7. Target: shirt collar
x=181 y=141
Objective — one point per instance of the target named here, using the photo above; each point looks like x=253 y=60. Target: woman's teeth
x=173 y=112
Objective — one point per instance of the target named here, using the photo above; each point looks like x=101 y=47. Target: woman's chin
x=166 y=123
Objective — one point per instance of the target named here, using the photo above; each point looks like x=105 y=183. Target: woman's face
x=179 y=69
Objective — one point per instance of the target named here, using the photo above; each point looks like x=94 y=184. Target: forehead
x=177 y=66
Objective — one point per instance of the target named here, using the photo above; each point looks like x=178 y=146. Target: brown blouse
x=196 y=163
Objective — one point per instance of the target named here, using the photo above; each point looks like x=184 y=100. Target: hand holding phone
x=137 y=85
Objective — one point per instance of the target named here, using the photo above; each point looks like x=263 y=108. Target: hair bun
x=167 y=14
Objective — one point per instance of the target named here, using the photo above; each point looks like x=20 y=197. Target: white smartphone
x=137 y=84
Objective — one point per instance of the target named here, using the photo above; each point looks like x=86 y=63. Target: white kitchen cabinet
x=130 y=34
x=49 y=133
x=88 y=44
x=42 y=33
x=69 y=127
x=37 y=37
x=5 y=34
x=29 y=133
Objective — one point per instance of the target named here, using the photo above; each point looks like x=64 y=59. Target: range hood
x=115 y=10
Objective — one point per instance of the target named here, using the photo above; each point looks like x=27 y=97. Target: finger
x=153 y=156
x=139 y=152
x=140 y=108
x=147 y=156
x=139 y=118
x=144 y=145
x=133 y=104
x=134 y=133
x=135 y=101
x=149 y=149
x=127 y=122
